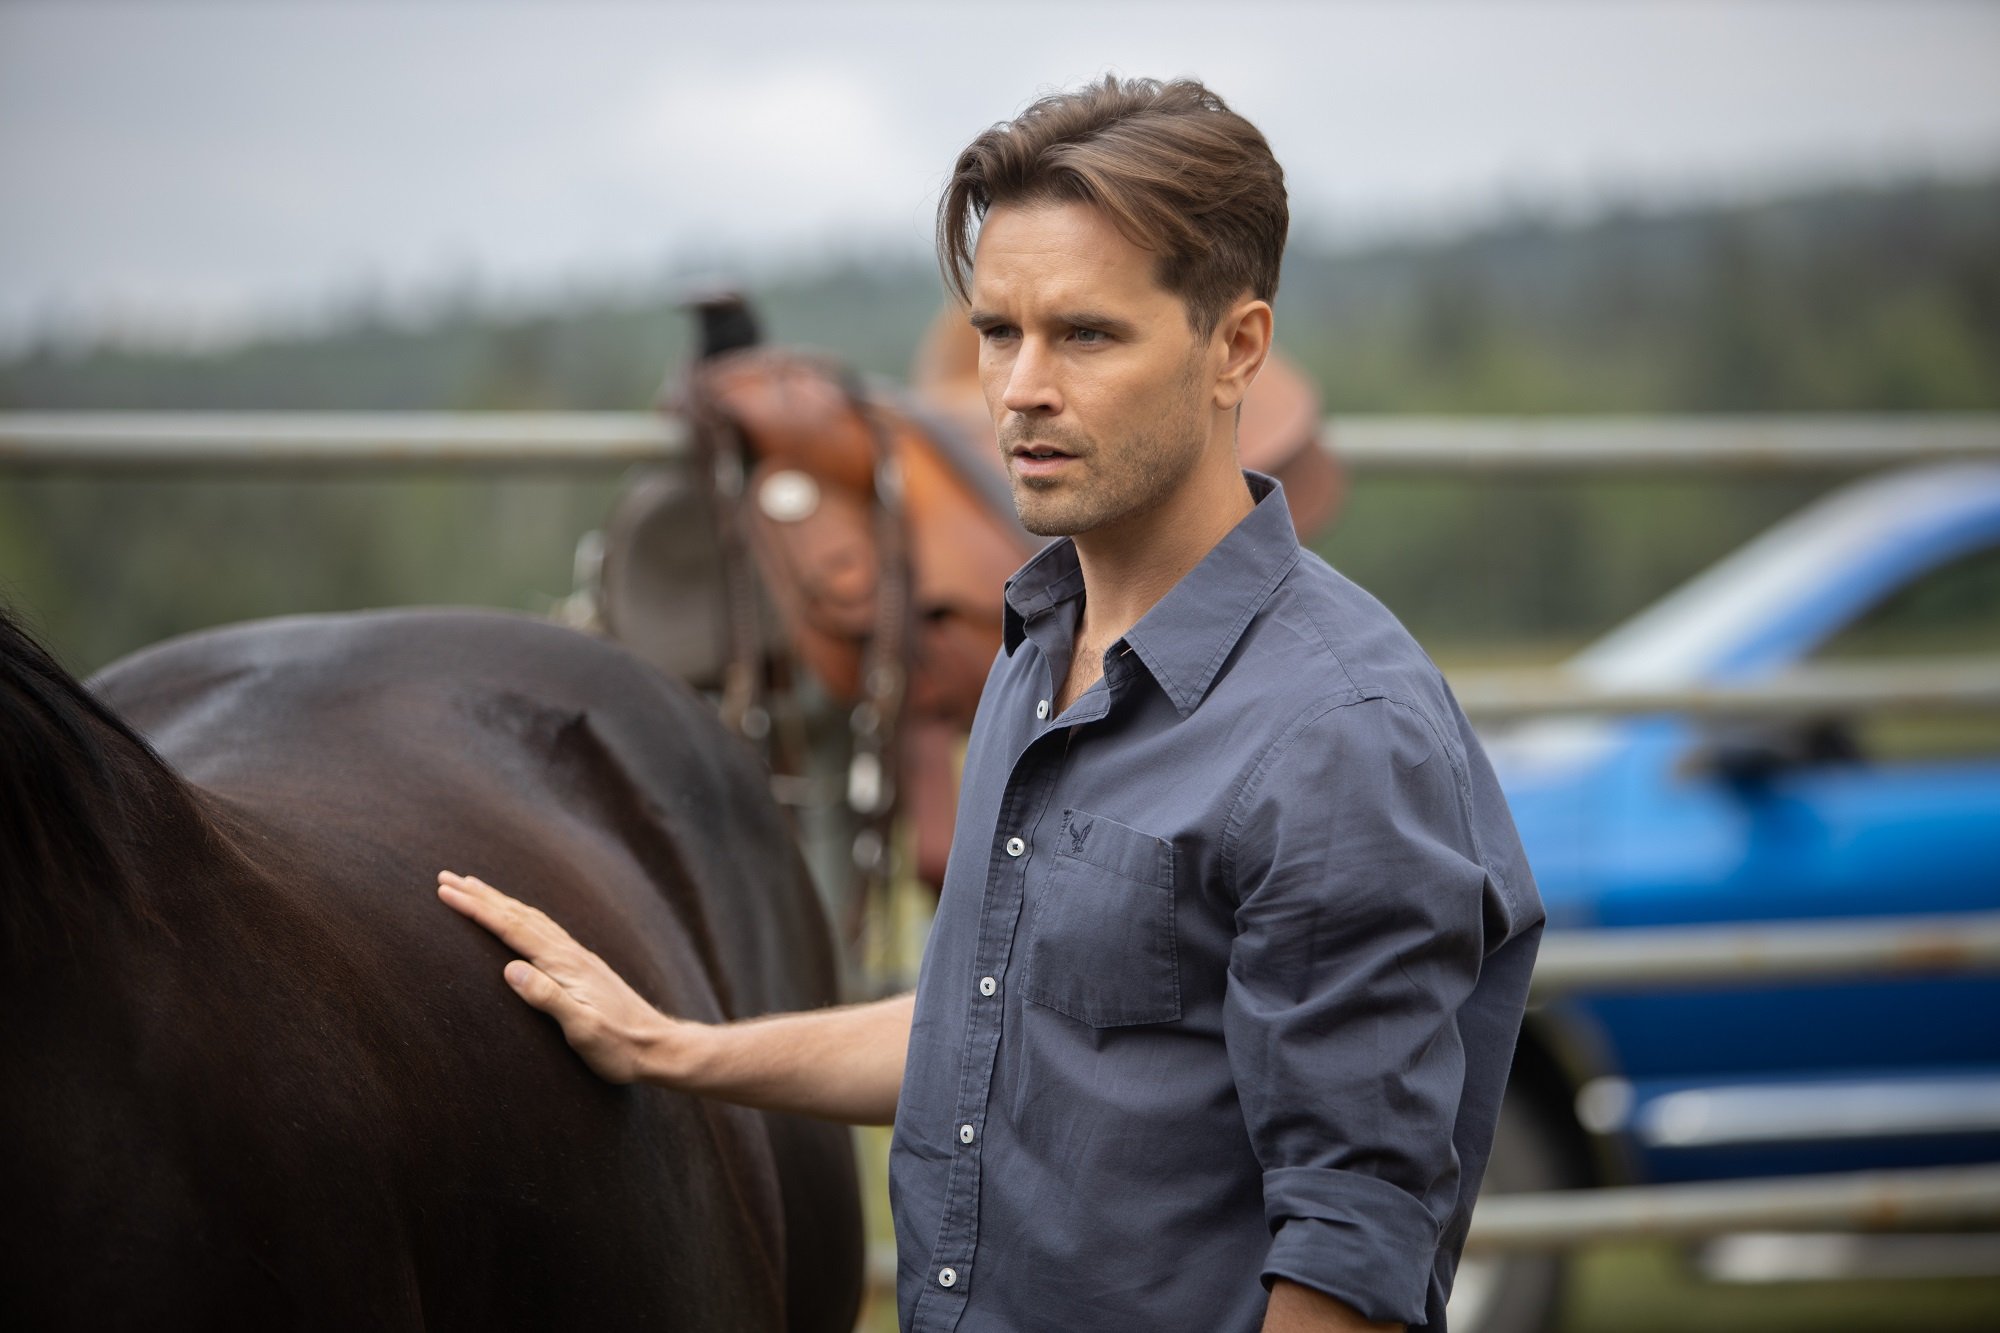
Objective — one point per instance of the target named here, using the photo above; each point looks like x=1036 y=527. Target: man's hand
x=615 y=1031
x=837 y=1064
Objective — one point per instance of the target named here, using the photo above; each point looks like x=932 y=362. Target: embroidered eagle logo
x=1077 y=833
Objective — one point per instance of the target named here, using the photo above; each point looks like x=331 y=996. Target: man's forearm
x=842 y=1064
x=1298 y=1309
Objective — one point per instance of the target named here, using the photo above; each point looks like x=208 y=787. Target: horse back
x=350 y=1107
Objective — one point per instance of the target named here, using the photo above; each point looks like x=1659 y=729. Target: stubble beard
x=1128 y=476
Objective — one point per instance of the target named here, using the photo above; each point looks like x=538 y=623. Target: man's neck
x=1130 y=567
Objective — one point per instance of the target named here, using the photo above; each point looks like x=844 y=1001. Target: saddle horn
x=724 y=321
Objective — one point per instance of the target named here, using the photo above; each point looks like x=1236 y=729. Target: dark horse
x=258 y=1077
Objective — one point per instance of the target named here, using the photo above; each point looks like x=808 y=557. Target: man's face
x=1098 y=388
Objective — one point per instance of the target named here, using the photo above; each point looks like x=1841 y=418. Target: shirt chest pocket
x=1101 y=945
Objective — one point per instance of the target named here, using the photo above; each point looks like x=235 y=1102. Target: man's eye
x=1089 y=337
x=996 y=332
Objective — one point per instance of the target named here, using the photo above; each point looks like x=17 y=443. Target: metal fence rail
x=1662 y=957
x=1852 y=1201
x=1388 y=443
x=1936 y=685
x=1768 y=443
x=126 y=441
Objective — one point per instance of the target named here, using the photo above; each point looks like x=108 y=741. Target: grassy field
x=1645 y=1289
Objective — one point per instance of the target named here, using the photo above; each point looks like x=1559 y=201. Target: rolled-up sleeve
x=1363 y=912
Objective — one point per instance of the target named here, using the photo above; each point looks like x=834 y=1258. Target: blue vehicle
x=1666 y=821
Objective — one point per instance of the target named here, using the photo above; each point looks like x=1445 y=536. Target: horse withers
x=258 y=1077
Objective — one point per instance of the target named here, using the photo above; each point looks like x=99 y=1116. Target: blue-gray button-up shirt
x=1227 y=970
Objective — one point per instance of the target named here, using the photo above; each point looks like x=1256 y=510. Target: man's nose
x=1031 y=384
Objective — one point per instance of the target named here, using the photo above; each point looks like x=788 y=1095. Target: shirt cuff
x=1358 y=1239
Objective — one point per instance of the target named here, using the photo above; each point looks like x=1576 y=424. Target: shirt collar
x=1185 y=637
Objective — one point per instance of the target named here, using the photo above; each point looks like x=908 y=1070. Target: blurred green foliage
x=100 y=567
x=1521 y=570
x=1855 y=300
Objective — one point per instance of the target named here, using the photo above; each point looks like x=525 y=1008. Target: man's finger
x=492 y=915
x=523 y=927
x=534 y=985
x=477 y=888
x=531 y=937
x=507 y=908
x=473 y=886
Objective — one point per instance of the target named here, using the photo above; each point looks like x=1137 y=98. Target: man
x=1236 y=934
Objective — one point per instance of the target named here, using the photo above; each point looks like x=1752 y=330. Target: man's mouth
x=1037 y=459
x=1040 y=451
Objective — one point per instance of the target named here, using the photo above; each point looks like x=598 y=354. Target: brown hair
x=1173 y=167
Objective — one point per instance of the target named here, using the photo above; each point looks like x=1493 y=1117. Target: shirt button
x=987 y=985
x=1042 y=709
x=947 y=1277
x=965 y=1133
x=1015 y=846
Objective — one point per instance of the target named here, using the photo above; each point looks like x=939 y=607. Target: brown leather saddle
x=837 y=549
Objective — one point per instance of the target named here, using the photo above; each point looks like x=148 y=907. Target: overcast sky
x=205 y=165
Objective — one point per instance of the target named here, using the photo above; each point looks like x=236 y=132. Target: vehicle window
x=1952 y=611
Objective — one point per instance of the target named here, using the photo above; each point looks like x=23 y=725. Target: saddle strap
x=718 y=449
x=805 y=559
x=876 y=723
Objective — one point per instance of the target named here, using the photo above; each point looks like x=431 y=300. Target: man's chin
x=1043 y=515
x=1050 y=529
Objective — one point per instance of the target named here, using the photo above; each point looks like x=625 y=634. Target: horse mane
x=80 y=794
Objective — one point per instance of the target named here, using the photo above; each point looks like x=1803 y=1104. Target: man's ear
x=1244 y=335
